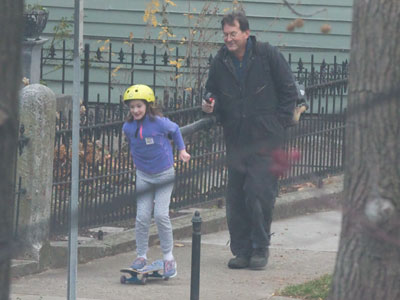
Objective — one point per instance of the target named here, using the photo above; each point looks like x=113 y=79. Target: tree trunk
x=10 y=81
x=368 y=261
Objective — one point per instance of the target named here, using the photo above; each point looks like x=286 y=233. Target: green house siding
x=116 y=20
x=268 y=20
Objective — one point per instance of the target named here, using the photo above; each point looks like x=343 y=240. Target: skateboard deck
x=140 y=276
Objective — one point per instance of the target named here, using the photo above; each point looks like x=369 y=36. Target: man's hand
x=207 y=106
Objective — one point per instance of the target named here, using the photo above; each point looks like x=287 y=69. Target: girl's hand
x=184 y=156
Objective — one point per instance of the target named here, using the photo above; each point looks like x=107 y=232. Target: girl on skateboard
x=147 y=133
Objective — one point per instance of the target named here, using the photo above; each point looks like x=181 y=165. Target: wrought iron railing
x=107 y=180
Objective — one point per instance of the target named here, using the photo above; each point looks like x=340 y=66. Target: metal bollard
x=196 y=245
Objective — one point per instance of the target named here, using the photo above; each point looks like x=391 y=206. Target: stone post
x=35 y=167
x=31 y=52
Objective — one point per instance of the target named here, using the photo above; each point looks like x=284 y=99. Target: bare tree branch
x=290 y=6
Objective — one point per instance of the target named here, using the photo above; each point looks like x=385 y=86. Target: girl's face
x=137 y=108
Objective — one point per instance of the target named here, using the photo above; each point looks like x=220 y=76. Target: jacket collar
x=145 y=118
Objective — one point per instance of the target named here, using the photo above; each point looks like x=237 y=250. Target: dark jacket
x=255 y=111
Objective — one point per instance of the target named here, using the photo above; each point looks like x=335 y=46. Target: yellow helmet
x=139 y=92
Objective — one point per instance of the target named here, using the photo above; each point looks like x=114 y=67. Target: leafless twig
x=290 y=6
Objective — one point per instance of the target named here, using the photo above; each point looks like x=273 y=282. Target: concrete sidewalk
x=303 y=248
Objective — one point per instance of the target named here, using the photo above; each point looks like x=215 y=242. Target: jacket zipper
x=260 y=89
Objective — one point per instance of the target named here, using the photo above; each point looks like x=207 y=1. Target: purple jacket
x=150 y=147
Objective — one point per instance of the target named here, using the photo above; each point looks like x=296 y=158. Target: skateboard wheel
x=123 y=279
x=166 y=278
x=144 y=280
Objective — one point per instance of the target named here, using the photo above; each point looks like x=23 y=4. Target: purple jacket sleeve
x=173 y=129
x=124 y=130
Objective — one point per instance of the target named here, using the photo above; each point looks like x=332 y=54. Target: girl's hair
x=151 y=110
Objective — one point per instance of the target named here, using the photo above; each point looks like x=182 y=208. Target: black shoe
x=259 y=259
x=239 y=262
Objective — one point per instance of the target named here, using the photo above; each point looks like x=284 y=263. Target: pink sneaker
x=139 y=263
x=170 y=268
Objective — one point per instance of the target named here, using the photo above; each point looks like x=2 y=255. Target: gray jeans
x=154 y=189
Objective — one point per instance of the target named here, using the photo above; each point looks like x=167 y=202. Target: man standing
x=255 y=97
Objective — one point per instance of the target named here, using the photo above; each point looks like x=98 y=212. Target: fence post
x=35 y=167
x=154 y=68
x=31 y=59
x=196 y=245
x=86 y=76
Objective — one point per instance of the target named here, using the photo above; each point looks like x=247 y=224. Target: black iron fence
x=319 y=137
x=108 y=72
x=107 y=180
x=107 y=177
x=106 y=172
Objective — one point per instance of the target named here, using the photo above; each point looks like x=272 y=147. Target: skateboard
x=140 y=276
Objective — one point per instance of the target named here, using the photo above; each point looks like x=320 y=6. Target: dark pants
x=250 y=202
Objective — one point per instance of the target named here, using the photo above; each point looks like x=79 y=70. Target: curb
x=23 y=267
x=287 y=205
x=282 y=298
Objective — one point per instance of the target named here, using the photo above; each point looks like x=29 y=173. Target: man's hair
x=239 y=16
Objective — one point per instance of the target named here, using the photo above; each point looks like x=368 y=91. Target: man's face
x=235 y=39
